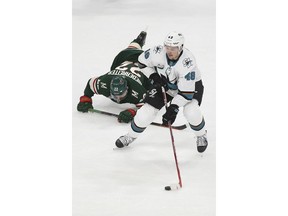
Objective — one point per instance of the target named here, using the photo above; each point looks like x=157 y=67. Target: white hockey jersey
x=181 y=74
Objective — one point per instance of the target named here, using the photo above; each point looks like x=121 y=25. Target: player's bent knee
x=192 y=112
x=145 y=115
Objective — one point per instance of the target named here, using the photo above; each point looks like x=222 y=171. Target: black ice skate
x=202 y=143
x=141 y=38
x=124 y=141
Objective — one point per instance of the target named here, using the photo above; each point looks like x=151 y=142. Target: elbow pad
x=199 y=88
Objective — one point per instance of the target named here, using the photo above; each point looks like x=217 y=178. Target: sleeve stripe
x=93 y=85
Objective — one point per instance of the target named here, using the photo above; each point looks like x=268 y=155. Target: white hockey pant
x=193 y=115
x=144 y=117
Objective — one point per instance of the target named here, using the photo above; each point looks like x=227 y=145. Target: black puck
x=168 y=188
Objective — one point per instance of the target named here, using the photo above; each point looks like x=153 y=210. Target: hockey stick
x=179 y=185
x=180 y=127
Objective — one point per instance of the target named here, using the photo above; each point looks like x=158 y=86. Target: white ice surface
x=128 y=182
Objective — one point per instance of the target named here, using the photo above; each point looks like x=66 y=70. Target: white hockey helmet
x=175 y=39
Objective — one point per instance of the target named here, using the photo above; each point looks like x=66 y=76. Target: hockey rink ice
x=131 y=181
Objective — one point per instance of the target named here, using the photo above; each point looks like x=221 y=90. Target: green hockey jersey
x=137 y=83
x=126 y=55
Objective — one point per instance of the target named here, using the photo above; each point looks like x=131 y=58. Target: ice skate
x=124 y=141
x=141 y=38
x=202 y=143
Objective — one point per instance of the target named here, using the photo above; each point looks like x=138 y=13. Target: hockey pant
x=147 y=113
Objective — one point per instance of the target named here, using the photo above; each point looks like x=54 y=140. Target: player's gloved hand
x=85 y=104
x=170 y=114
x=158 y=81
x=126 y=115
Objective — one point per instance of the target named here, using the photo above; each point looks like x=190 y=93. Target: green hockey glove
x=85 y=104
x=126 y=115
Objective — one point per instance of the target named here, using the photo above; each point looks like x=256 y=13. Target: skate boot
x=202 y=143
x=141 y=38
x=124 y=141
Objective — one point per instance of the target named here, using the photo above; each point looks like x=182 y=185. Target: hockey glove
x=170 y=114
x=158 y=81
x=126 y=115
x=85 y=104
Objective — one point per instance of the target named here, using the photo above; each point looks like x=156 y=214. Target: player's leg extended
x=144 y=116
x=138 y=42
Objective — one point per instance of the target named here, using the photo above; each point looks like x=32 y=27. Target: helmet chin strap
x=179 y=52
x=180 y=49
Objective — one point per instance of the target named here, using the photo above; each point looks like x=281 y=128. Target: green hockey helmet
x=118 y=88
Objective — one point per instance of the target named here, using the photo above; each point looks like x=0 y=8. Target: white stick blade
x=172 y=187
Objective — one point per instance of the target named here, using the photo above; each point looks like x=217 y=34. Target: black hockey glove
x=158 y=81
x=170 y=114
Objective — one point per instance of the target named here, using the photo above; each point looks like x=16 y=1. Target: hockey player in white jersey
x=173 y=67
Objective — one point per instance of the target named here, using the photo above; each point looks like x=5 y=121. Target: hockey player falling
x=125 y=83
x=173 y=67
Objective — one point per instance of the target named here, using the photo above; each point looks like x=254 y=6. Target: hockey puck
x=168 y=188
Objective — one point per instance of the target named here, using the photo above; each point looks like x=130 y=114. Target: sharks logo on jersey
x=152 y=93
x=158 y=49
x=187 y=62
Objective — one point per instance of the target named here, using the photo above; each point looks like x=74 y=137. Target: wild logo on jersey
x=103 y=85
x=134 y=94
x=100 y=84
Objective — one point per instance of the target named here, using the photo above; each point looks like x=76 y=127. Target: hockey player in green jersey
x=125 y=83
